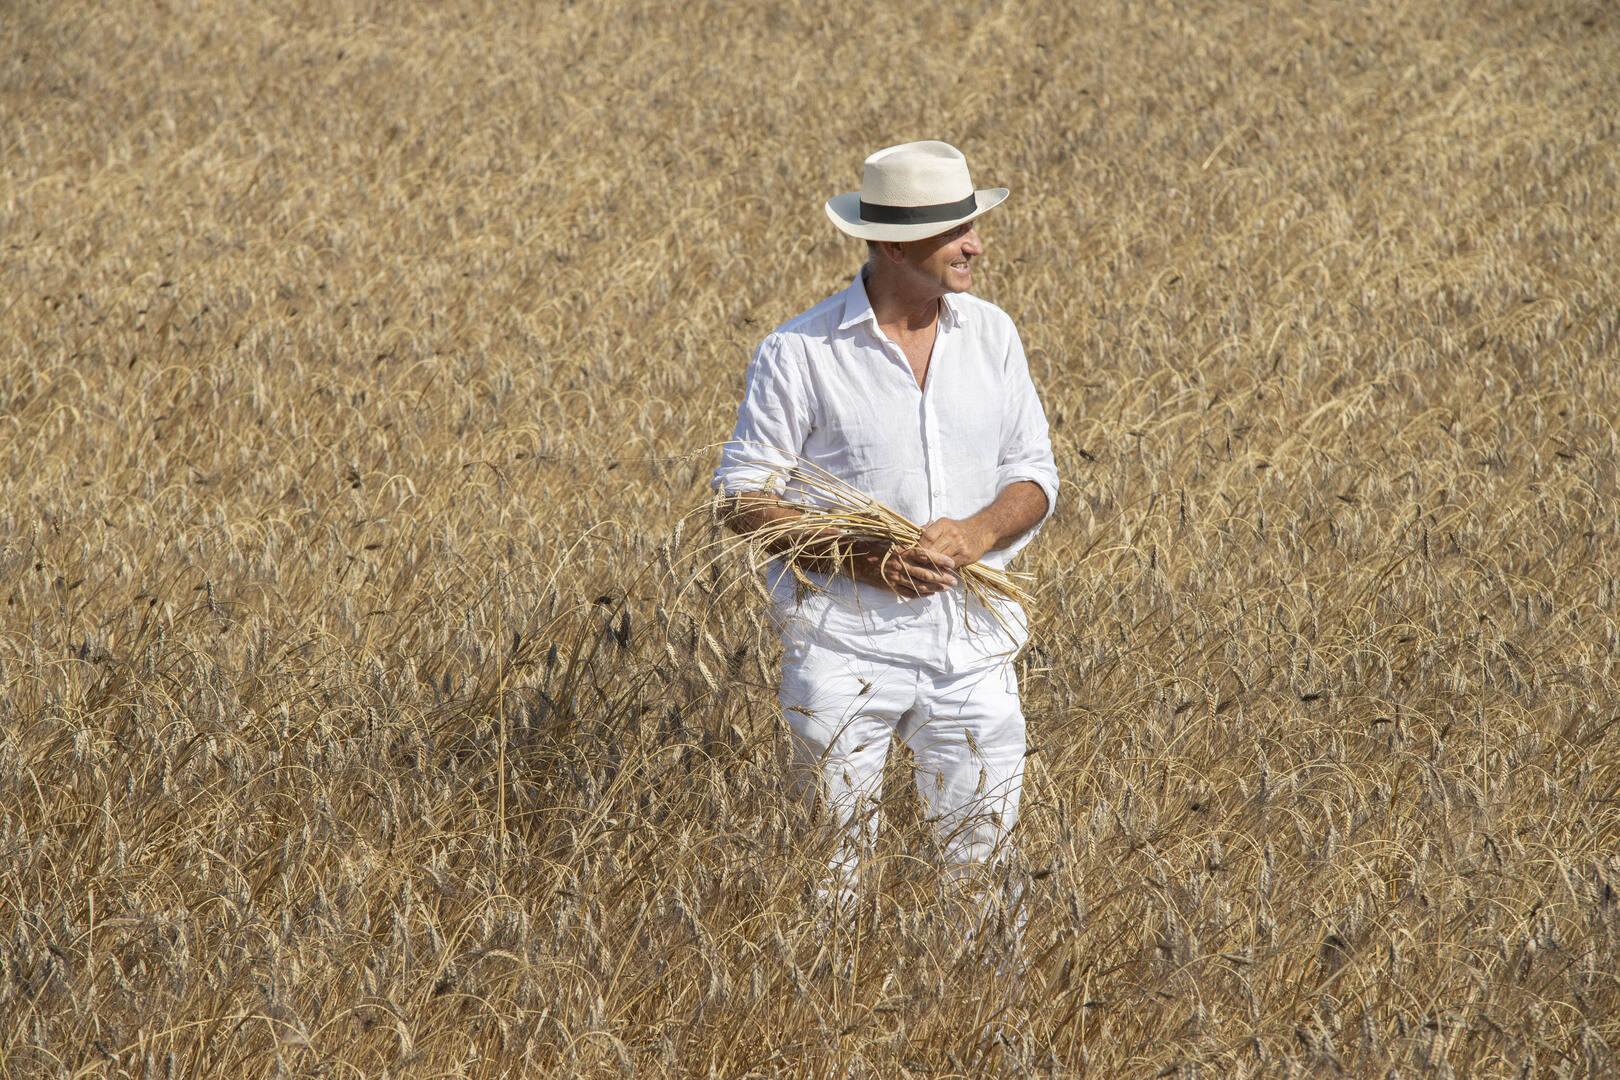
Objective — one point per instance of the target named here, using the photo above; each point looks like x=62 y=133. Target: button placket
x=936 y=479
x=947 y=610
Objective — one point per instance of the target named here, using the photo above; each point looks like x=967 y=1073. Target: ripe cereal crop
x=372 y=702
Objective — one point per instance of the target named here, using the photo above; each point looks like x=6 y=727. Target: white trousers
x=965 y=731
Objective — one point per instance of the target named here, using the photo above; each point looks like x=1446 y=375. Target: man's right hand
x=912 y=571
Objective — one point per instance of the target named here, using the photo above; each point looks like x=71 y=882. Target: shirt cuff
x=1007 y=477
x=752 y=476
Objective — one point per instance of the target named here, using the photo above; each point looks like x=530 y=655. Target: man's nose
x=971 y=245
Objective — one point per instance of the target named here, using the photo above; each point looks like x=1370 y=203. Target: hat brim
x=845 y=212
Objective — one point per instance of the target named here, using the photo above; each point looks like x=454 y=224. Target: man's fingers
x=952 y=542
x=916 y=571
x=941 y=534
x=916 y=586
x=922 y=554
x=923 y=566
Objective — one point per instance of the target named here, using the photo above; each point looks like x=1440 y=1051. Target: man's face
x=944 y=261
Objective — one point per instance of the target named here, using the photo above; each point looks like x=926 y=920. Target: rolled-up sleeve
x=1026 y=444
x=772 y=423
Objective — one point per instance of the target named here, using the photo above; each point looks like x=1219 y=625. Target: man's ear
x=891 y=250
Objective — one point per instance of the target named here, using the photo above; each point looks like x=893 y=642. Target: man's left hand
x=962 y=541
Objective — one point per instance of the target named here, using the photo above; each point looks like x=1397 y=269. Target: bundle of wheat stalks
x=833 y=508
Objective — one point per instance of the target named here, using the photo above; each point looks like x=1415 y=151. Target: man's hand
x=1018 y=507
x=912 y=571
x=962 y=542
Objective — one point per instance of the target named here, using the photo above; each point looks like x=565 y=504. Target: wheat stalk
x=832 y=508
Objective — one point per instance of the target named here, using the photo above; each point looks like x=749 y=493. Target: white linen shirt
x=827 y=387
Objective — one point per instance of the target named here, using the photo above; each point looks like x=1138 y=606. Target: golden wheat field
x=372 y=705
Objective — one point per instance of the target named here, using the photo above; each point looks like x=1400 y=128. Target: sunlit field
x=373 y=702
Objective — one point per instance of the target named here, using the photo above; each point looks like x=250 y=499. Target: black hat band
x=879 y=214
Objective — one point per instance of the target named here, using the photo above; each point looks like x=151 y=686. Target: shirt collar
x=858 y=306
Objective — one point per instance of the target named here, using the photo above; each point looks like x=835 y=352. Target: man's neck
x=896 y=307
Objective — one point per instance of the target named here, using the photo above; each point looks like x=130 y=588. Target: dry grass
x=350 y=357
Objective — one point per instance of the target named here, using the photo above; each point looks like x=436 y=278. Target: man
x=909 y=388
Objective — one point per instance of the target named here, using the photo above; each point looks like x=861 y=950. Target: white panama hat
x=909 y=192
